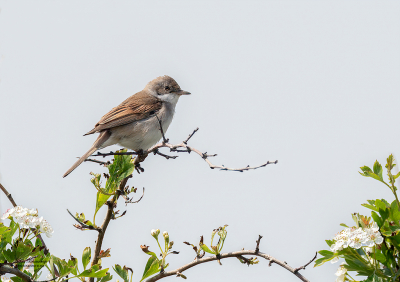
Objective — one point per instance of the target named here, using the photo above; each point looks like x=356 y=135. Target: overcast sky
x=312 y=84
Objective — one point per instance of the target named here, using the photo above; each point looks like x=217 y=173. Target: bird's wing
x=137 y=107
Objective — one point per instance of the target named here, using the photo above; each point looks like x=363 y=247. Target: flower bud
x=166 y=238
x=155 y=233
x=170 y=245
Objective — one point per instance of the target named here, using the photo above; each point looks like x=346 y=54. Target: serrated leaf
x=378 y=170
x=86 y=256
x=106 y=278
x=122 y=272
x=371 y=207
x=152 y=267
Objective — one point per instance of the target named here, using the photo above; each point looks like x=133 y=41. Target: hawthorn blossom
x=341 y=273
x=28 y=218
x=5 y=279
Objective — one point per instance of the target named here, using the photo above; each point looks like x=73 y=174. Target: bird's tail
x=96 y=145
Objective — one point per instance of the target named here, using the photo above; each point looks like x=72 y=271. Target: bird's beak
x=181 y=92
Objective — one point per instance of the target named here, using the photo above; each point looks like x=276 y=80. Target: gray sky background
x=314 y=84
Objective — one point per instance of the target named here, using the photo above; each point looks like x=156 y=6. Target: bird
x=135 y=123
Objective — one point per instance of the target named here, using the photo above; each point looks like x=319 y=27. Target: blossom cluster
x=355 y=238
x=28 y=218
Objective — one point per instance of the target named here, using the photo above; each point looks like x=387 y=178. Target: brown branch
x=179 y=148
x=7 y=269
x=258 y=243
x=8 y=195
x=102 y=230
x=228 y=255
x=97 y=162
x=304 y=266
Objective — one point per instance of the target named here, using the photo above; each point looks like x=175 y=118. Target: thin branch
x=228 y=255
x=180 y=148
x=205 y=156
x=258 y=243
x=102 y=230
x=7 y=269
x=8 y=195
x=98 y=162
x=190 y=136
x=129 y=201
x=304 y=266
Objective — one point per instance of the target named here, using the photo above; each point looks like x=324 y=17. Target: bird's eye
x=167 y=88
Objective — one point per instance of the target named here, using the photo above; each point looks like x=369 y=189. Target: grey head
x=165 y=88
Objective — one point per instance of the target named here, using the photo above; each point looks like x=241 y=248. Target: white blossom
x=335 y=260
x=5 y=279
x=28 y=218
x=155 y=233
x=341 y=273
x=46 y=228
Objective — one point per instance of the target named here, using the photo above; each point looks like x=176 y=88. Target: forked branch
x=182 y=148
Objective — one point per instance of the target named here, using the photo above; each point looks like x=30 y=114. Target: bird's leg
x=165 y=140
x=141 y=156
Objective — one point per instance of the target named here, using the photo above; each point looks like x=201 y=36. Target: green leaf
x=330 y=242
x=106 y=278
x=378 y=170
x=206 y=249
x=371 y=207
x=152 y=267
x=344 y=225
x=122 y=272
x=368 y=173
x=86 y=256
x=326 y=253
x=377 y=218
x=94 y=272
x=394 y=212
x=397 y=175
x=101 y=199
x=374 y=278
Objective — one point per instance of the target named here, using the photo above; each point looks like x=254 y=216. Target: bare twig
x=8 y=195
x=258 y=243
x=304 y=266
x=98 y=162
x=227 y=255
x=190 y=136
x=157 y=152
x=181 y=148
x=129 y=201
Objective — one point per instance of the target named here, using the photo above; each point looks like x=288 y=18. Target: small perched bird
x=134 y=124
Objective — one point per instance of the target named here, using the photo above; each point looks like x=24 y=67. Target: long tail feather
x=96 y=145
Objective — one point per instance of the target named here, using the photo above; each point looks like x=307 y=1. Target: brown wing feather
x=137 y=107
